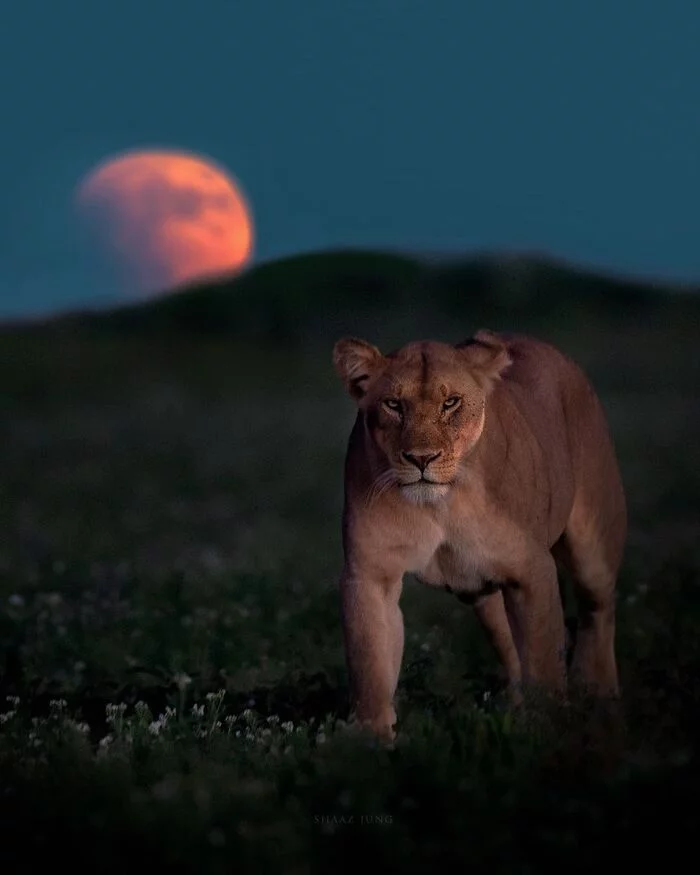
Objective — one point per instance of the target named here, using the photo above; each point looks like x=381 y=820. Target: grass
x=173 y=685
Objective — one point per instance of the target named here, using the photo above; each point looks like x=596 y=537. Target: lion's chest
x=463 y=561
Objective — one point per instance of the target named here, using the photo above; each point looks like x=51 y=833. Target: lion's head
x=423 y=407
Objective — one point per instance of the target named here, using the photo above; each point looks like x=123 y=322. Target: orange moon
x=171 y=218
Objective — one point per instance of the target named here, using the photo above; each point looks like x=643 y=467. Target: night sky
x=419 y=125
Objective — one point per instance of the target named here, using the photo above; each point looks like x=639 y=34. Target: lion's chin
x=423 y=492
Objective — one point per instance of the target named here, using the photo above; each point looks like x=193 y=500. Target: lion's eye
x=451 y=402
x=392 y=404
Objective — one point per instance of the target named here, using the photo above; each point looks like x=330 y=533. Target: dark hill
x=303 y=304
x=317 y=294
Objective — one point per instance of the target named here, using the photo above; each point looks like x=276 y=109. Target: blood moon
x=169 y=217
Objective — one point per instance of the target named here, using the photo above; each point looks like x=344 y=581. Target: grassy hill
x=170 y=495
x=302 y=296
x=302 y=304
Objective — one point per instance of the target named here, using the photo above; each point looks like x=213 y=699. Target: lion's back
x=539 y=364
x=558 y=399
x=545 y=379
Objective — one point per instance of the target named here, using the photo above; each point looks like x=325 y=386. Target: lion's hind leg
x=592 y=545
x=592 y=556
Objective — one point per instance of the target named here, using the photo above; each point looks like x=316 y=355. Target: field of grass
x=172 y=684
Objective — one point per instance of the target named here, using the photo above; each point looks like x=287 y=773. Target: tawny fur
x=475 y=467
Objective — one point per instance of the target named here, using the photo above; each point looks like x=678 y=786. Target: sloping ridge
x=275 y=295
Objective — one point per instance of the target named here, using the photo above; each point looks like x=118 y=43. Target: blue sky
x=431 y=125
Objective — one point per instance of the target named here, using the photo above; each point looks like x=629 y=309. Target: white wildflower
x=114 y=712
x=182 y=680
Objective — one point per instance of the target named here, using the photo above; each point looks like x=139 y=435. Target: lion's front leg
x=491 y=612
x=373 y=635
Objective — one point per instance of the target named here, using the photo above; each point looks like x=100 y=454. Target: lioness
x=475 y=467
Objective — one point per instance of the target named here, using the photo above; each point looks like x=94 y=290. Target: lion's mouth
x=424 y=491
x=425 y=480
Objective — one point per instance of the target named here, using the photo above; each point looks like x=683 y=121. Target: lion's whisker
x=382 y=483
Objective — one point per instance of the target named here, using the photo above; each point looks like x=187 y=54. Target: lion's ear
x=487 y=356
x=356 y=361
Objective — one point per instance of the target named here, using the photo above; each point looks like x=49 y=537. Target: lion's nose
x=420 y=460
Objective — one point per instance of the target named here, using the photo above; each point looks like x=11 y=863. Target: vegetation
x=173 y=684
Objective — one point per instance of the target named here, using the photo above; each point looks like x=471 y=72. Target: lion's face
x=424 y=414
x=423 y=407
